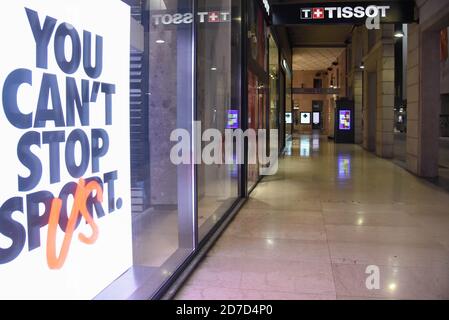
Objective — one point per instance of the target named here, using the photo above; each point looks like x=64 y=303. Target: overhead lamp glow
x=392 y=286
x=399 y=34
x=267 y=6
x=213 y=69
x=362 y=66
x=160 y=41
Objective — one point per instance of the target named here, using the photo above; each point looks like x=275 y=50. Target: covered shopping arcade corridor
x=311 y=231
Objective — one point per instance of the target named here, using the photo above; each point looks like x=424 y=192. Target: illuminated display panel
x=345 y=120
x=305 y=118
x=288 y=118
x=72 y=233
x=233 y=119
x=316 y=118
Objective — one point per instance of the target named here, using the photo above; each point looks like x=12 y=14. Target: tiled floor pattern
x=311 y=232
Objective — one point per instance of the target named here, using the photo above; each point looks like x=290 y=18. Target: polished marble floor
x=312 y=231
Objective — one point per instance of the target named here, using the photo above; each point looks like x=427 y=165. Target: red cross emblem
x=214 y=17
x=318 y=13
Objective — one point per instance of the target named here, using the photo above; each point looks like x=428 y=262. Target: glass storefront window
x=161 y=101
x=274 y=78
x=288 y=105
x=172 y=62
x=218 y=104
x=257 y=78
x=257 y=93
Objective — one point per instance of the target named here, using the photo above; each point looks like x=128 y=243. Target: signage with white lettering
x=343 y=12
x=65 y=212
x=166 y=18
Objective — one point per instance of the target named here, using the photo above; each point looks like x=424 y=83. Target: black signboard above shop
x=343 y=12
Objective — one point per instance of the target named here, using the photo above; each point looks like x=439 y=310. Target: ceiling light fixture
x=398 y=31
x=160 y=41
x=399 y=34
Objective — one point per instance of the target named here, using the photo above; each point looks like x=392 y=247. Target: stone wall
x=424 y=87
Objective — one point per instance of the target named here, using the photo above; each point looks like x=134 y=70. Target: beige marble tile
x=398 y=219
x=397 y=255
x=276 y=230
x=217 y=293
x=352 y=206
x=346 y=298
x=273 y=249
x=299 y=277
x=265 y=275
x=268 y=215
x=310 y=232
x=395 y=282
x=282 y=204
x=378 y=234
x=211 y=274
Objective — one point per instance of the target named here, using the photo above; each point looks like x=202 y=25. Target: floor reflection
x=304 y=149
x=309 y=145
x=313 y=230
x=344 y=167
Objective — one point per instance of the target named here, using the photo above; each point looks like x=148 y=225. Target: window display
x=218 y=88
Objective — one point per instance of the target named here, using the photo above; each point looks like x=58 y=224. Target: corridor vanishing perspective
x=313 y=230
x=142 y=145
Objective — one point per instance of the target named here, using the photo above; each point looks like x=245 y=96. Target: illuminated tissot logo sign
x=65 y=222
x=166 y=18
x=343 y=12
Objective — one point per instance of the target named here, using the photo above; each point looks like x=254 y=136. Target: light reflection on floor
x=313 y=230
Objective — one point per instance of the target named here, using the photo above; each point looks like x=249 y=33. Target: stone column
x=424 y=101
x=385 y=94
x=413 y=87
x=430 y=105
x=358 y=104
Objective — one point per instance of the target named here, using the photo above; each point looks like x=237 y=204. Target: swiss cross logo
x=318 y=13
x=214 y=16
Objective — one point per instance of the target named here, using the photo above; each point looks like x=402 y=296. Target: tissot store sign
x=165 y=18
x=343 y=12
x=65 y=223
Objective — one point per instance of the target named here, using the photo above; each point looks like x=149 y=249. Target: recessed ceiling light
x=213 y=69
x=160 y=41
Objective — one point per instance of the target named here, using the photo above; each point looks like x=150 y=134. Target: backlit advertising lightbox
x=233 y=119
x=306 y=118
x=316 y=118
x=65 y=222
x=345 y=120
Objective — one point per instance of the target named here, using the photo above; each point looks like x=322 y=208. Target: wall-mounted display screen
x=288 y=118
x=306 y=118
x=345 y=120
x=316 y=118
x=233 y=119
